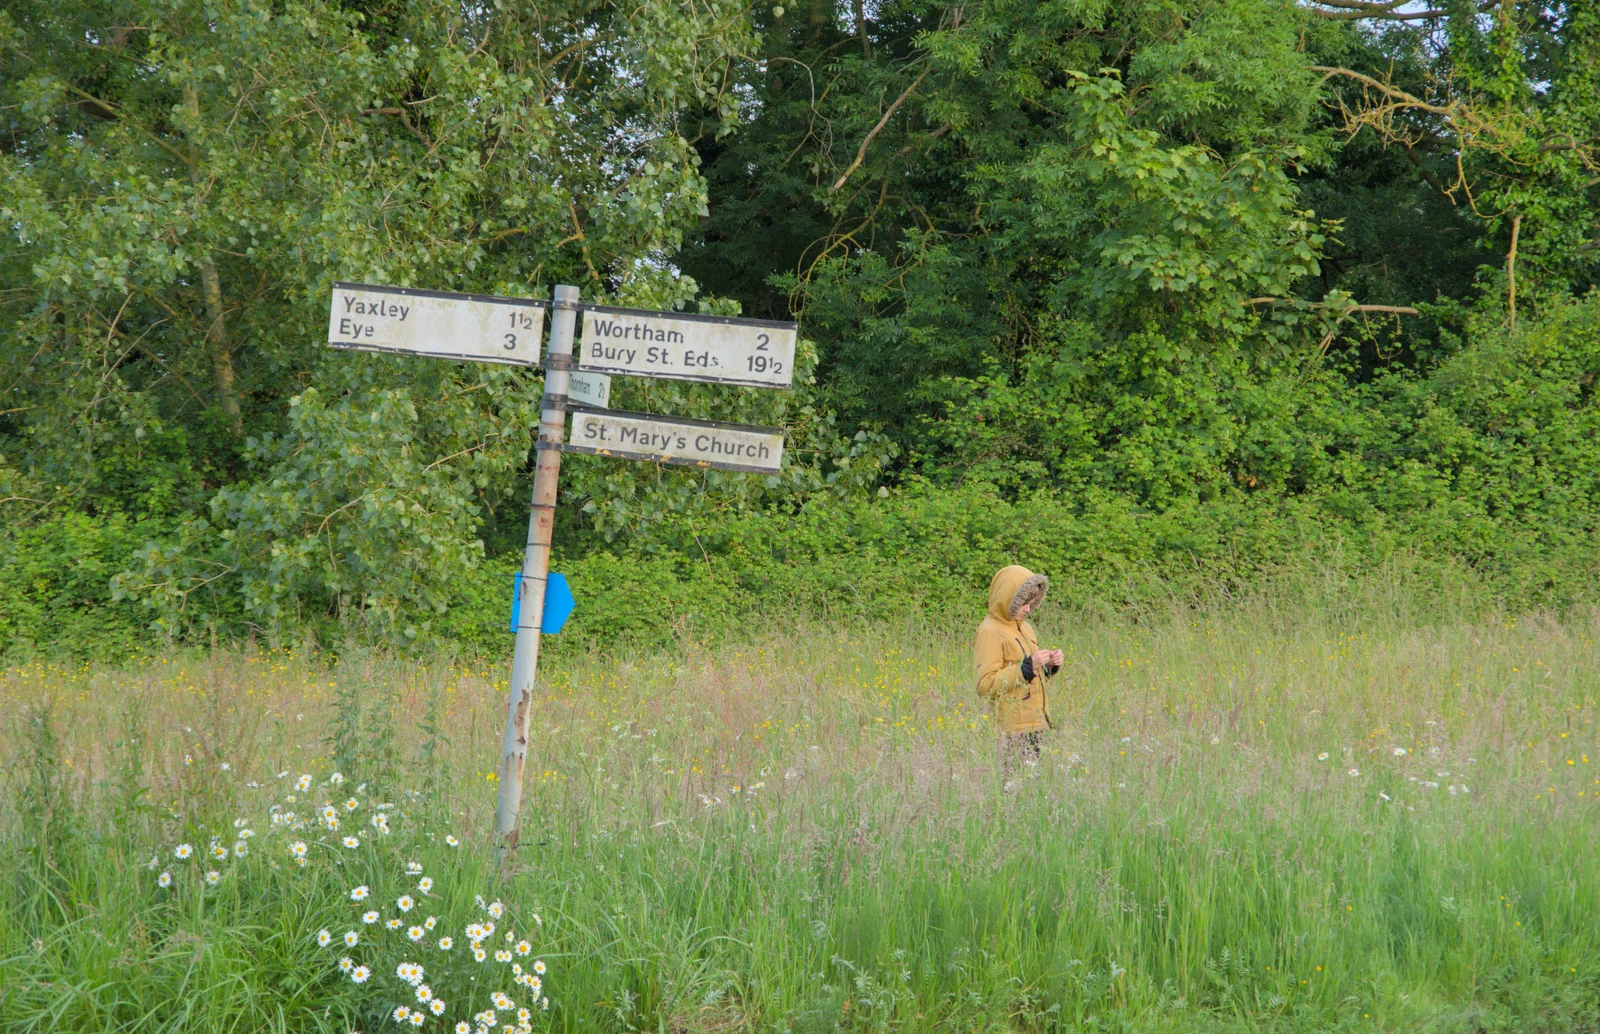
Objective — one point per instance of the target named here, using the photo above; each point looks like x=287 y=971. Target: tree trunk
x=211 y=286
x=217 y=344
x=861 y=28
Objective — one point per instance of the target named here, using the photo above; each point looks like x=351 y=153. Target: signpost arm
x=535 y=568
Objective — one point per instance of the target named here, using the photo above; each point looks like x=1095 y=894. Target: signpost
x=477 y=327
x=636 y=342
x=590 y=389
x=659 y=439
x=685 y=347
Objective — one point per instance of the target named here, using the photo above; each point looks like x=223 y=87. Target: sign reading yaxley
x=686 y=347
x=477 y=327
x=703 y=443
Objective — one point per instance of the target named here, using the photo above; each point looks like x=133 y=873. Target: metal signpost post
x=634 y=342
x=535 y=568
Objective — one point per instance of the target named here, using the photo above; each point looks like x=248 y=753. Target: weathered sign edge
x=650 y=457
x=723 y=425
x=459 y=356
x=615 y=371
x=417 y=292
x=692 y=317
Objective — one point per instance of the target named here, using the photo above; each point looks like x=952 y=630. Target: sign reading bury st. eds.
x=687 y=347
x=662 y=439
x=476 y=327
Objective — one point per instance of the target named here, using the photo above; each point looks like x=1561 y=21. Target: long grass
x=1265 y=815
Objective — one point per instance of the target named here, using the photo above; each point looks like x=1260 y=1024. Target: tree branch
x=1401 y=310
x=1381 y=10
x=1450 y=111
x=861 y=153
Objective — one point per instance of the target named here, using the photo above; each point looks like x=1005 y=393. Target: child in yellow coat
x=1012 y=672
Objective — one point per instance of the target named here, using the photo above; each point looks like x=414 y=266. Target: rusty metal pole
x=535 y=568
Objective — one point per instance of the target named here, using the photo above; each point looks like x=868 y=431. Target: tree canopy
x=1334 y=254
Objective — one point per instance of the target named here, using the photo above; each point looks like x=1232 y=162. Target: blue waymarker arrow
x=558 y=603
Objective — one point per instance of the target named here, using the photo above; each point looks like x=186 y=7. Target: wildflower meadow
x=1341 y=814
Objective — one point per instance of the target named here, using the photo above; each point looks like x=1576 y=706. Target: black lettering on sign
x=600 y=327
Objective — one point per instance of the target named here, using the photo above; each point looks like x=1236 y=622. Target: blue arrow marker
x=558 y=603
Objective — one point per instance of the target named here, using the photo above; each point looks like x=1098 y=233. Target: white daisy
x=415 y=933
x=360 y=974
x=369 y=918
x=538 y=967
x=524 y=948
x=346 y=964
x=424 y=993
x=240 y=849
x=497 y=910
x=425 y=884
x=406 y=903
x=303 y=783
x=352 y=842
x=213 y=877
x=1399 y=752
x=352 y=804
x=394 y=924
x=324 y=938
x=452 y=841
x=360 y=893
x=463 y=1027
x=351 y=938
x=183 y=852
x=446 y=943
x=413 y=868
x=164 y=880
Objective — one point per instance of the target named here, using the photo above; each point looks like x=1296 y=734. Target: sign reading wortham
x=661 y=439
x=686 y=347
x=476 y=327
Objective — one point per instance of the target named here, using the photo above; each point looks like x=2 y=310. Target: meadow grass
x=1354 y=815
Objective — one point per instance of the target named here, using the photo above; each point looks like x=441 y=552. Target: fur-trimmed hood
x=1012 y=588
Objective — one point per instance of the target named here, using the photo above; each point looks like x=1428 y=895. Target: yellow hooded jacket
x=997 y=652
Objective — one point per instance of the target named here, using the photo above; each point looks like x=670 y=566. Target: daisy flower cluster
x=189 y=864
x=440 y=982
x=424 y=963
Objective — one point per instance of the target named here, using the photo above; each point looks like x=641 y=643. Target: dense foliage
x=1320 y=271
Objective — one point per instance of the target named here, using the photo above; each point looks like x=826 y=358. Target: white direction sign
x=661 y=439
x=478 y=327
x=687 y=347
x=589 y=389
